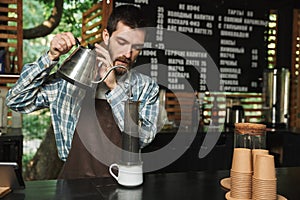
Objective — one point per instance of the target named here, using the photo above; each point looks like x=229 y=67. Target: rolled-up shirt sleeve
x=28 y=93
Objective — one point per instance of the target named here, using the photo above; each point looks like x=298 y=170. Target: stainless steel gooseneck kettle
x=81 y=67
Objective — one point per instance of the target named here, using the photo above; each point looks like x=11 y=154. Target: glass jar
x=250 y=135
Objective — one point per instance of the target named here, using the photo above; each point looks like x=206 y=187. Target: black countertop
x=187 y=185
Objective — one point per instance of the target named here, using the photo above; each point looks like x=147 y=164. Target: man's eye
x=121 y=42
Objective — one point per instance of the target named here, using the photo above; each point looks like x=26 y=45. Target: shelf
x=8 y=78
x=11 y=35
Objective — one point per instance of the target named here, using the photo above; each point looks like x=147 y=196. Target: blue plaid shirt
x=36 y=90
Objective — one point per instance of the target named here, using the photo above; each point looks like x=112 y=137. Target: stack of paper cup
x=253 y=176
x=264 y=182
x=241 y=174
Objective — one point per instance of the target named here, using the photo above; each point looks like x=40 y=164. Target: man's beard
x=127 y=63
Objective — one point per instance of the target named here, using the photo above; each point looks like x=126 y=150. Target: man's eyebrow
x=121 y=38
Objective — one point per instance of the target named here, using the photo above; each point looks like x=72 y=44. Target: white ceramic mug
x=128 y=175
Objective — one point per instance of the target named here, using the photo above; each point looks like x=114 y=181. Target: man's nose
x=128 y=52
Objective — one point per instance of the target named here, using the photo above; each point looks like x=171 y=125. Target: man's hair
x=129 y=15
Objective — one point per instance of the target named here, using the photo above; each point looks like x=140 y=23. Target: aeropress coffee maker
x=130 y=167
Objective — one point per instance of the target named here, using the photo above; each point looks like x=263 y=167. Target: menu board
x=191 y=38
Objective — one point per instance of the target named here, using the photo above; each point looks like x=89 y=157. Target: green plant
x=36 y=124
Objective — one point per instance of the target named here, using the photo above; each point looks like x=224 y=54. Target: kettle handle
x=77 y=41
x=90 y=46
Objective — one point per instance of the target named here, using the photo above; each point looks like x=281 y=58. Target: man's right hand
x=61 y=44
x=103 y=57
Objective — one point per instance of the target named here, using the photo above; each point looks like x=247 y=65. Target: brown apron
x=80 y=162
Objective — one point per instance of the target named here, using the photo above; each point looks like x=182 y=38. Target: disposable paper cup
x=264 y=186
x=258 y=152
x=264 y=182
x=264 y=194
x=242 y=160
x=241 y=184
x=264 y=167
x=229 y=197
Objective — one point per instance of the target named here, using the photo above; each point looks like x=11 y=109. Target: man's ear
x=105 y=36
